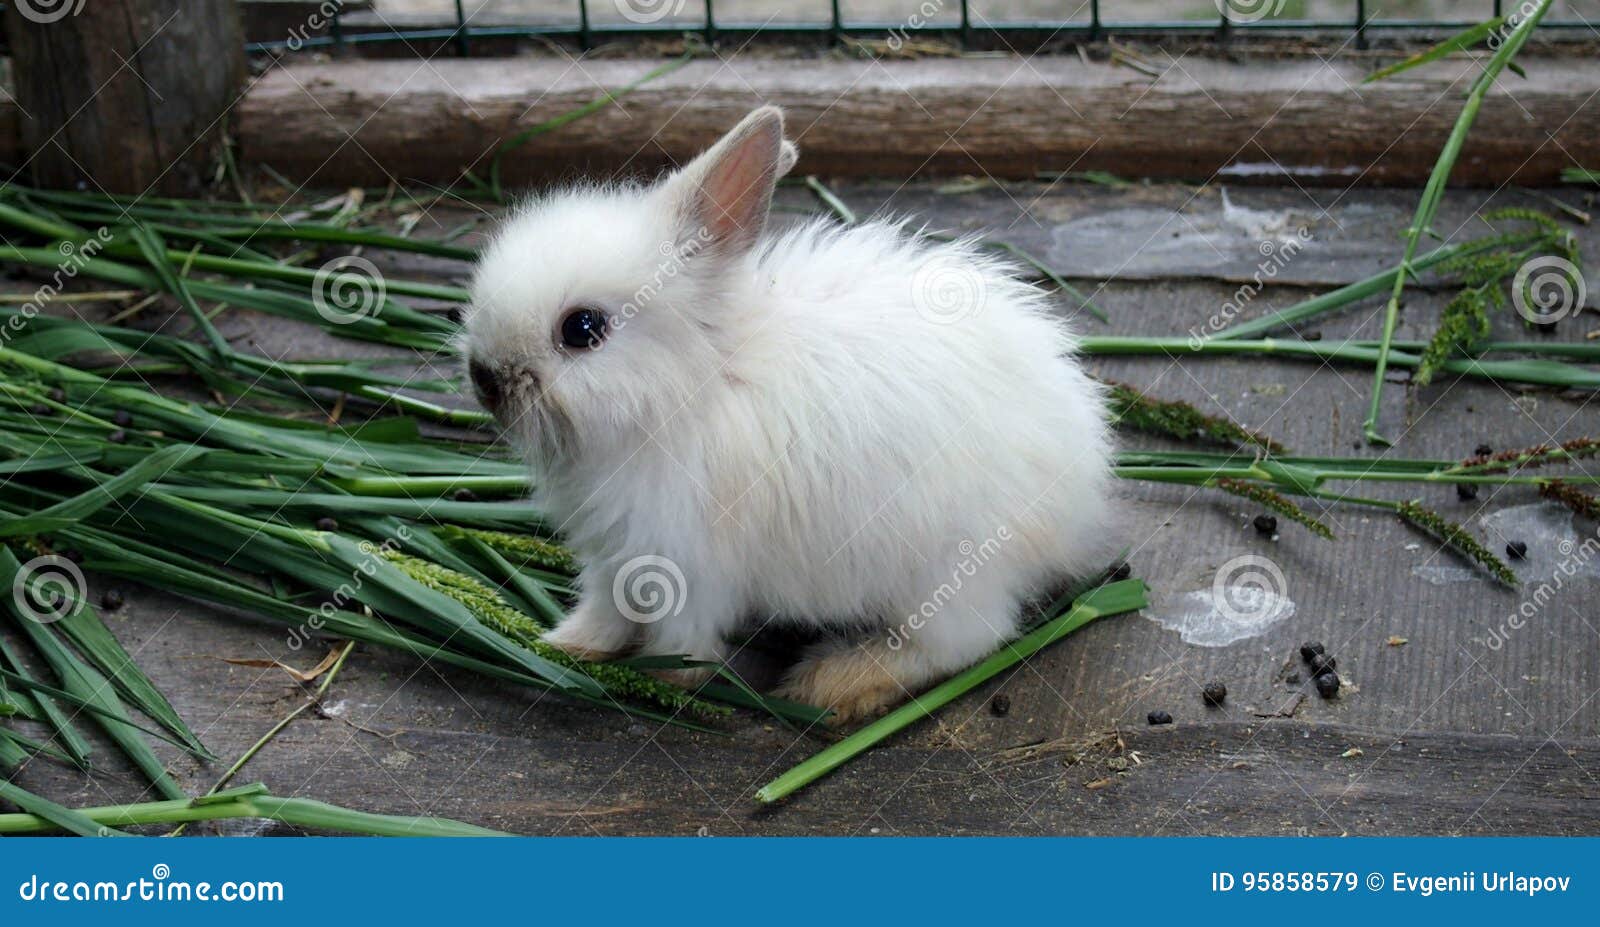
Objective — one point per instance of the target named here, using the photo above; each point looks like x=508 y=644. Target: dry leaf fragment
x=299 y=675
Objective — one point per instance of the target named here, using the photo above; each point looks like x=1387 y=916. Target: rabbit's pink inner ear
x=734 y=191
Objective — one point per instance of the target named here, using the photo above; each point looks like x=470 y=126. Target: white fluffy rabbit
x=840 y=427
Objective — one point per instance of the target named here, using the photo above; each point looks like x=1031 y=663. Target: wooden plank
x=1460 y=730
x=294 y=21
x=368 y=121
x=1207 y=232
x=398 y=738
x=127 y=95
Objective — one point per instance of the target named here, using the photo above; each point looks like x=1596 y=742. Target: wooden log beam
x=295 y=20
x=368 y=121
x=124 y=95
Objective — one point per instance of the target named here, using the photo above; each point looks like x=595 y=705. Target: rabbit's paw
x=854 y=683
x=595 y=638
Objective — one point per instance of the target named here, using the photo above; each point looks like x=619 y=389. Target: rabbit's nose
x=485 y=384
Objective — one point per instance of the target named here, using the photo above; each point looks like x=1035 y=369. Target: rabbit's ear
x=725 y=193
x=787 y=158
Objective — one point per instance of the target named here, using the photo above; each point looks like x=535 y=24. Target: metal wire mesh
x=1234 y=19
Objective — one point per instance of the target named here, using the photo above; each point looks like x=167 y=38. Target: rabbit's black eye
x=583 y=328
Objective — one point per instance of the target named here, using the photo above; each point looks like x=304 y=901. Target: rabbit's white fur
x=842 y=426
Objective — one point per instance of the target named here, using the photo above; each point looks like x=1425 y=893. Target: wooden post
x=127 y=96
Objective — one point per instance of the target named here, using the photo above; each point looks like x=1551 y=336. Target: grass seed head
x=1174 y=419
x=526 y=550
x=488 y=606
x=1277 y=502
x=1569 y=496
x=1456 y=538
x=1529 y=457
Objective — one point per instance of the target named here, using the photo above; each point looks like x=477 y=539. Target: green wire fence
x=1088 y=20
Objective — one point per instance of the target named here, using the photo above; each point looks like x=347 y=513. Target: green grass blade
x=251 y=801
x=64 y=733
x=88 y=633
x=1462 y=40
x=57 y=816
x=156 y=255
x=546 y=608
x=550 y=125
x=85 y=683
x=81 y=506
x=1110 y=599
x=1432 y=194
x=39 y=688
x=1350 y=293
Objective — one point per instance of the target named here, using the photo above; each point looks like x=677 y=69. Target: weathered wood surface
x=295 y=20
x=368 y=121
x=125 y=95
x=1472 y=726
